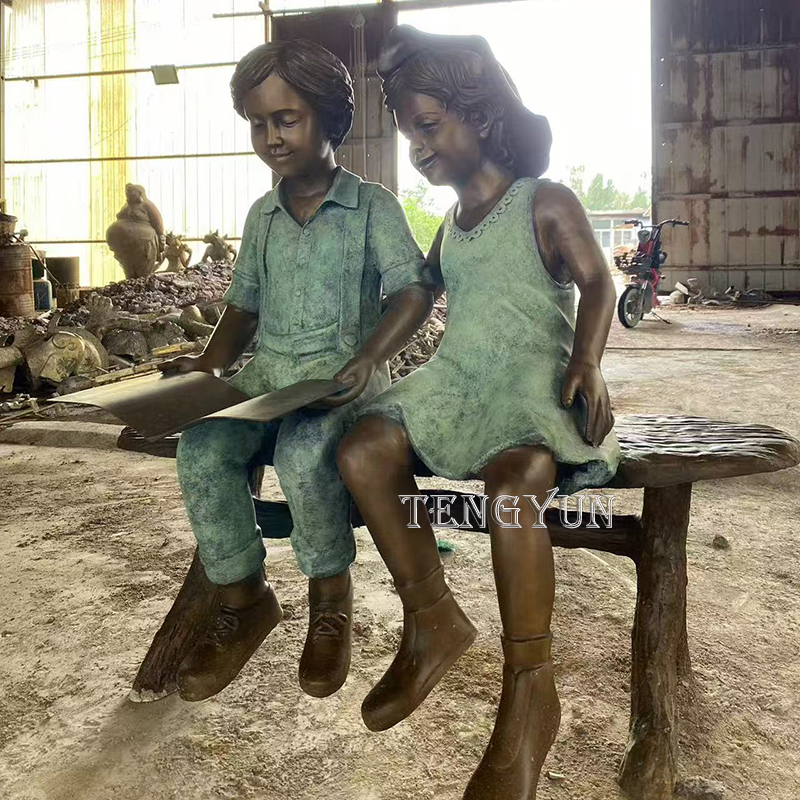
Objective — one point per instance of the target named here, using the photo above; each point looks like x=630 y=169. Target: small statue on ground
x=177 y=253
x=218 y=249
x=137 y=237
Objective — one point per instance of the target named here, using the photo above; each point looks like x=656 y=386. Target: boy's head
x=298 y=98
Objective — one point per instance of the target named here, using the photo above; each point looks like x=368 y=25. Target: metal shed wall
x=726 y=114
x=370 y=150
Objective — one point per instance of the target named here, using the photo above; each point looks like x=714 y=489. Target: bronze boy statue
x=314 y=254
x=497 y=400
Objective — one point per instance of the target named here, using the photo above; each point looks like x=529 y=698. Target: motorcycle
x=643 y=267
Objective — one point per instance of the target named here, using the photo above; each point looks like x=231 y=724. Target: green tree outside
x=422 y=219
x=602 y=195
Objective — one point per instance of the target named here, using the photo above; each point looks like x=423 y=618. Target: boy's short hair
x=312 y=71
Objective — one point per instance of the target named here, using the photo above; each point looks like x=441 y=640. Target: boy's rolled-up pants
x=214 y=461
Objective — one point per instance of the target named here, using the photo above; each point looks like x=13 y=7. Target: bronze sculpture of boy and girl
x=496 y=402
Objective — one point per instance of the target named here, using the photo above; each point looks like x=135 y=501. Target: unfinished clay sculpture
x=137 y=237
x=177 y=253
x=218 y=249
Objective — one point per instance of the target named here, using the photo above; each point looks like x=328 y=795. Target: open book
x=157 y=405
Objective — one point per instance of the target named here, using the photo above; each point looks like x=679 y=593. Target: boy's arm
x=566 y=239
x=232 y=334
x=407 y=311
x=396 y=255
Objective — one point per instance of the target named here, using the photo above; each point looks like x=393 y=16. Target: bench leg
x=648 y=769
x=185 y=620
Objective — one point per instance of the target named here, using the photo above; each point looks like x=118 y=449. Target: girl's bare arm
x=567 y=243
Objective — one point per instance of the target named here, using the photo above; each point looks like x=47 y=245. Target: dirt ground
x=94 y=544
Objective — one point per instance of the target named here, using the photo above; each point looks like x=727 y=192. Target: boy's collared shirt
x=316 y=288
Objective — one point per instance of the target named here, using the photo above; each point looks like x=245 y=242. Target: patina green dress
x=495 y=381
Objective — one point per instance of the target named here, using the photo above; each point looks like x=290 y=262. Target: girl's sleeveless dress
x=495 y=381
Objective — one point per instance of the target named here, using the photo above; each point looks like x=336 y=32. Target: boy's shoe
x=233 y=635
x=326 y=656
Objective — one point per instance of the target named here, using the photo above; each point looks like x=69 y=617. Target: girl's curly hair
x=312 y=71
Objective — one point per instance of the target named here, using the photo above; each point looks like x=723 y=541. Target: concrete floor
x=94 y=543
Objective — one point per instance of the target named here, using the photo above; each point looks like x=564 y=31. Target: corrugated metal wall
x=73 y=143
x=726 y=109
x=370 y=150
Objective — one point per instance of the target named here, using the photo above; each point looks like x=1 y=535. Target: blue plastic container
x=42 y=294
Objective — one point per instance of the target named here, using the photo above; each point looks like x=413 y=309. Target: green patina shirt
x=316 y=288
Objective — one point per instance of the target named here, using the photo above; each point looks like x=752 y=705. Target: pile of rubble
x=695 y=293
x=161 y=292
x=422 y=346
x=128 y=327
x=108 y=334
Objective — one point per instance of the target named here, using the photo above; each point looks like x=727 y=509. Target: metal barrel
x=66 y=270
x=16 y=281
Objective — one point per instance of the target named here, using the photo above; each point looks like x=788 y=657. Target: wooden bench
x=664 y=455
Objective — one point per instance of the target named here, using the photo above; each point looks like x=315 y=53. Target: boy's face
x=444 y=148
x=285 y=129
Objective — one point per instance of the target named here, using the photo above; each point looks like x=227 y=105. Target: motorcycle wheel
x=630 y=307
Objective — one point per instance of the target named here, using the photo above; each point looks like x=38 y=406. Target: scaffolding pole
x=2 y=106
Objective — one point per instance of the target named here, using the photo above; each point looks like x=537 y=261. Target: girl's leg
x=529 y=713
x=376 y=462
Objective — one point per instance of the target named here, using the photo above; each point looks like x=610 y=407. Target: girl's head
x=298 y=98
x=457 y=106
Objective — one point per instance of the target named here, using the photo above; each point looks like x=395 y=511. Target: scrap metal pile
x=122 y=329
x=198 y=285
x=128 y=327
x=422 y=346
x=696 y=293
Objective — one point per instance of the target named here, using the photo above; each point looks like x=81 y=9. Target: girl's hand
x=190 y=363
x=355 y=375
x=587 y=379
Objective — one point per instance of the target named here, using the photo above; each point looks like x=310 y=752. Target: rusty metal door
x=354 y=34
x=726 y=140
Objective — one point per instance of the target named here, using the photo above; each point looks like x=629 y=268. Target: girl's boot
x=526 y=725
x=436 y=633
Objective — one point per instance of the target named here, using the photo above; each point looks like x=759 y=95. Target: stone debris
x=700 y=789
x=163 y=292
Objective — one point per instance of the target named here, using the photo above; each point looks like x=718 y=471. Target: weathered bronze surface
x=158 y=405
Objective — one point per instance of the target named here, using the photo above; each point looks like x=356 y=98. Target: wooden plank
x=660 y=450
x=657 y=449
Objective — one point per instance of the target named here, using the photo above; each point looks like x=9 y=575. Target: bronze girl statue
x=497 y=401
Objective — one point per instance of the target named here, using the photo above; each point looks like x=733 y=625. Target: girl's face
x=285 y=129
x=444 y=148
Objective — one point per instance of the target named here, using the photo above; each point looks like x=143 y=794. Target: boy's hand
x=190 y=363
x=588 y=379
x=355 y=375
